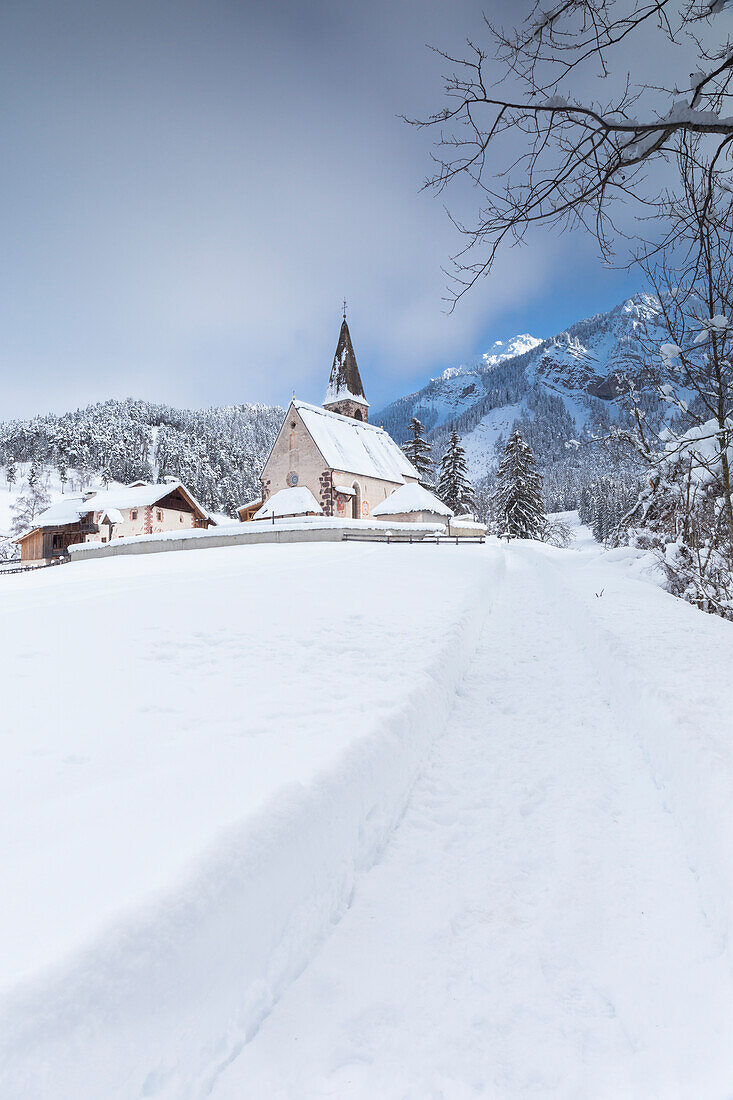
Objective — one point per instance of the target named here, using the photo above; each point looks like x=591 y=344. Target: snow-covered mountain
x=590 y=357
x=580 y=368
x=497 y=353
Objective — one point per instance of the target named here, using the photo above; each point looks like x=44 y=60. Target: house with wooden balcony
x=120 y=511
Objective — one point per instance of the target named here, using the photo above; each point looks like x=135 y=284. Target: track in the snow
x=535 y=926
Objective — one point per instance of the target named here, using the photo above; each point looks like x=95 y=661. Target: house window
x=159 y=515
x=133 y=513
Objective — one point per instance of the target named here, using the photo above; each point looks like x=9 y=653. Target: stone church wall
x=295 y=453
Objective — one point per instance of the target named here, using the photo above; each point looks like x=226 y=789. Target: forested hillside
x=218 y=453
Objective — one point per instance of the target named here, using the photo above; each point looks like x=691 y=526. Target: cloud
x=193 y=187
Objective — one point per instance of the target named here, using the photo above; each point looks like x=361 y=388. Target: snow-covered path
x=550 y=917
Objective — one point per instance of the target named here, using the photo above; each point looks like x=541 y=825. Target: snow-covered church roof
x=411 y=498
x=354 y=446
x=345 y=380
x=298 y=501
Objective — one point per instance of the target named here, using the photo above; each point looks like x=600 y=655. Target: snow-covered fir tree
x=418 y=450
x=454 y=487
x=519 y=505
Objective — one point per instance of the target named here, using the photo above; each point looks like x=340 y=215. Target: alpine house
x=112 y=513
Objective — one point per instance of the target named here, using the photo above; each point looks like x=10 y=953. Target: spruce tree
x=63 y=471
x=454 y=488
x=520 y=508
x=418 y=451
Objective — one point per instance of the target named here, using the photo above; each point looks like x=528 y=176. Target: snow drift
x=166 y=986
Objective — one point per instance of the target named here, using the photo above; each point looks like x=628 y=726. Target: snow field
x=201 y=753
x=536 y=925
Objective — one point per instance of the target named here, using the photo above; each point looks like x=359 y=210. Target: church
x=329 y=460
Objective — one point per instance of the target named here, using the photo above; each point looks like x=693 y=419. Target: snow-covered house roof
x=298 y=501
x=354 y=446
x=345 y=380
x=411 y=498
x=115 y=498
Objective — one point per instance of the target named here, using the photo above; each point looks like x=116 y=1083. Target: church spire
x=345 y=392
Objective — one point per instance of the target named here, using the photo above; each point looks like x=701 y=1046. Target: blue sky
x=190 y=188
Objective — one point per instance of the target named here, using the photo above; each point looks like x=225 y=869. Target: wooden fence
x=386 y=536
x=15 y=568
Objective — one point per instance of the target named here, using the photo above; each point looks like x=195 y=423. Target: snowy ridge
x=518 y=345
x=214 y=954
x=497 y=353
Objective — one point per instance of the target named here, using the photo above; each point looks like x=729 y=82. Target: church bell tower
x=345 y=392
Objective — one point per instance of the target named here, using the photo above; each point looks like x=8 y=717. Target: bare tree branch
x=580 y=157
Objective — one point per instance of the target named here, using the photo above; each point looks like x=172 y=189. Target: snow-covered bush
x=558 y=533
x=682 y=515
x=9 y=550
x=32 y=501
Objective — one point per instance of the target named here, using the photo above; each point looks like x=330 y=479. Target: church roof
x=411 y=498
x=345 y=380
x=355 y=447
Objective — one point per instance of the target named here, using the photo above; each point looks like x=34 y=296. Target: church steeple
x=345 y=392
